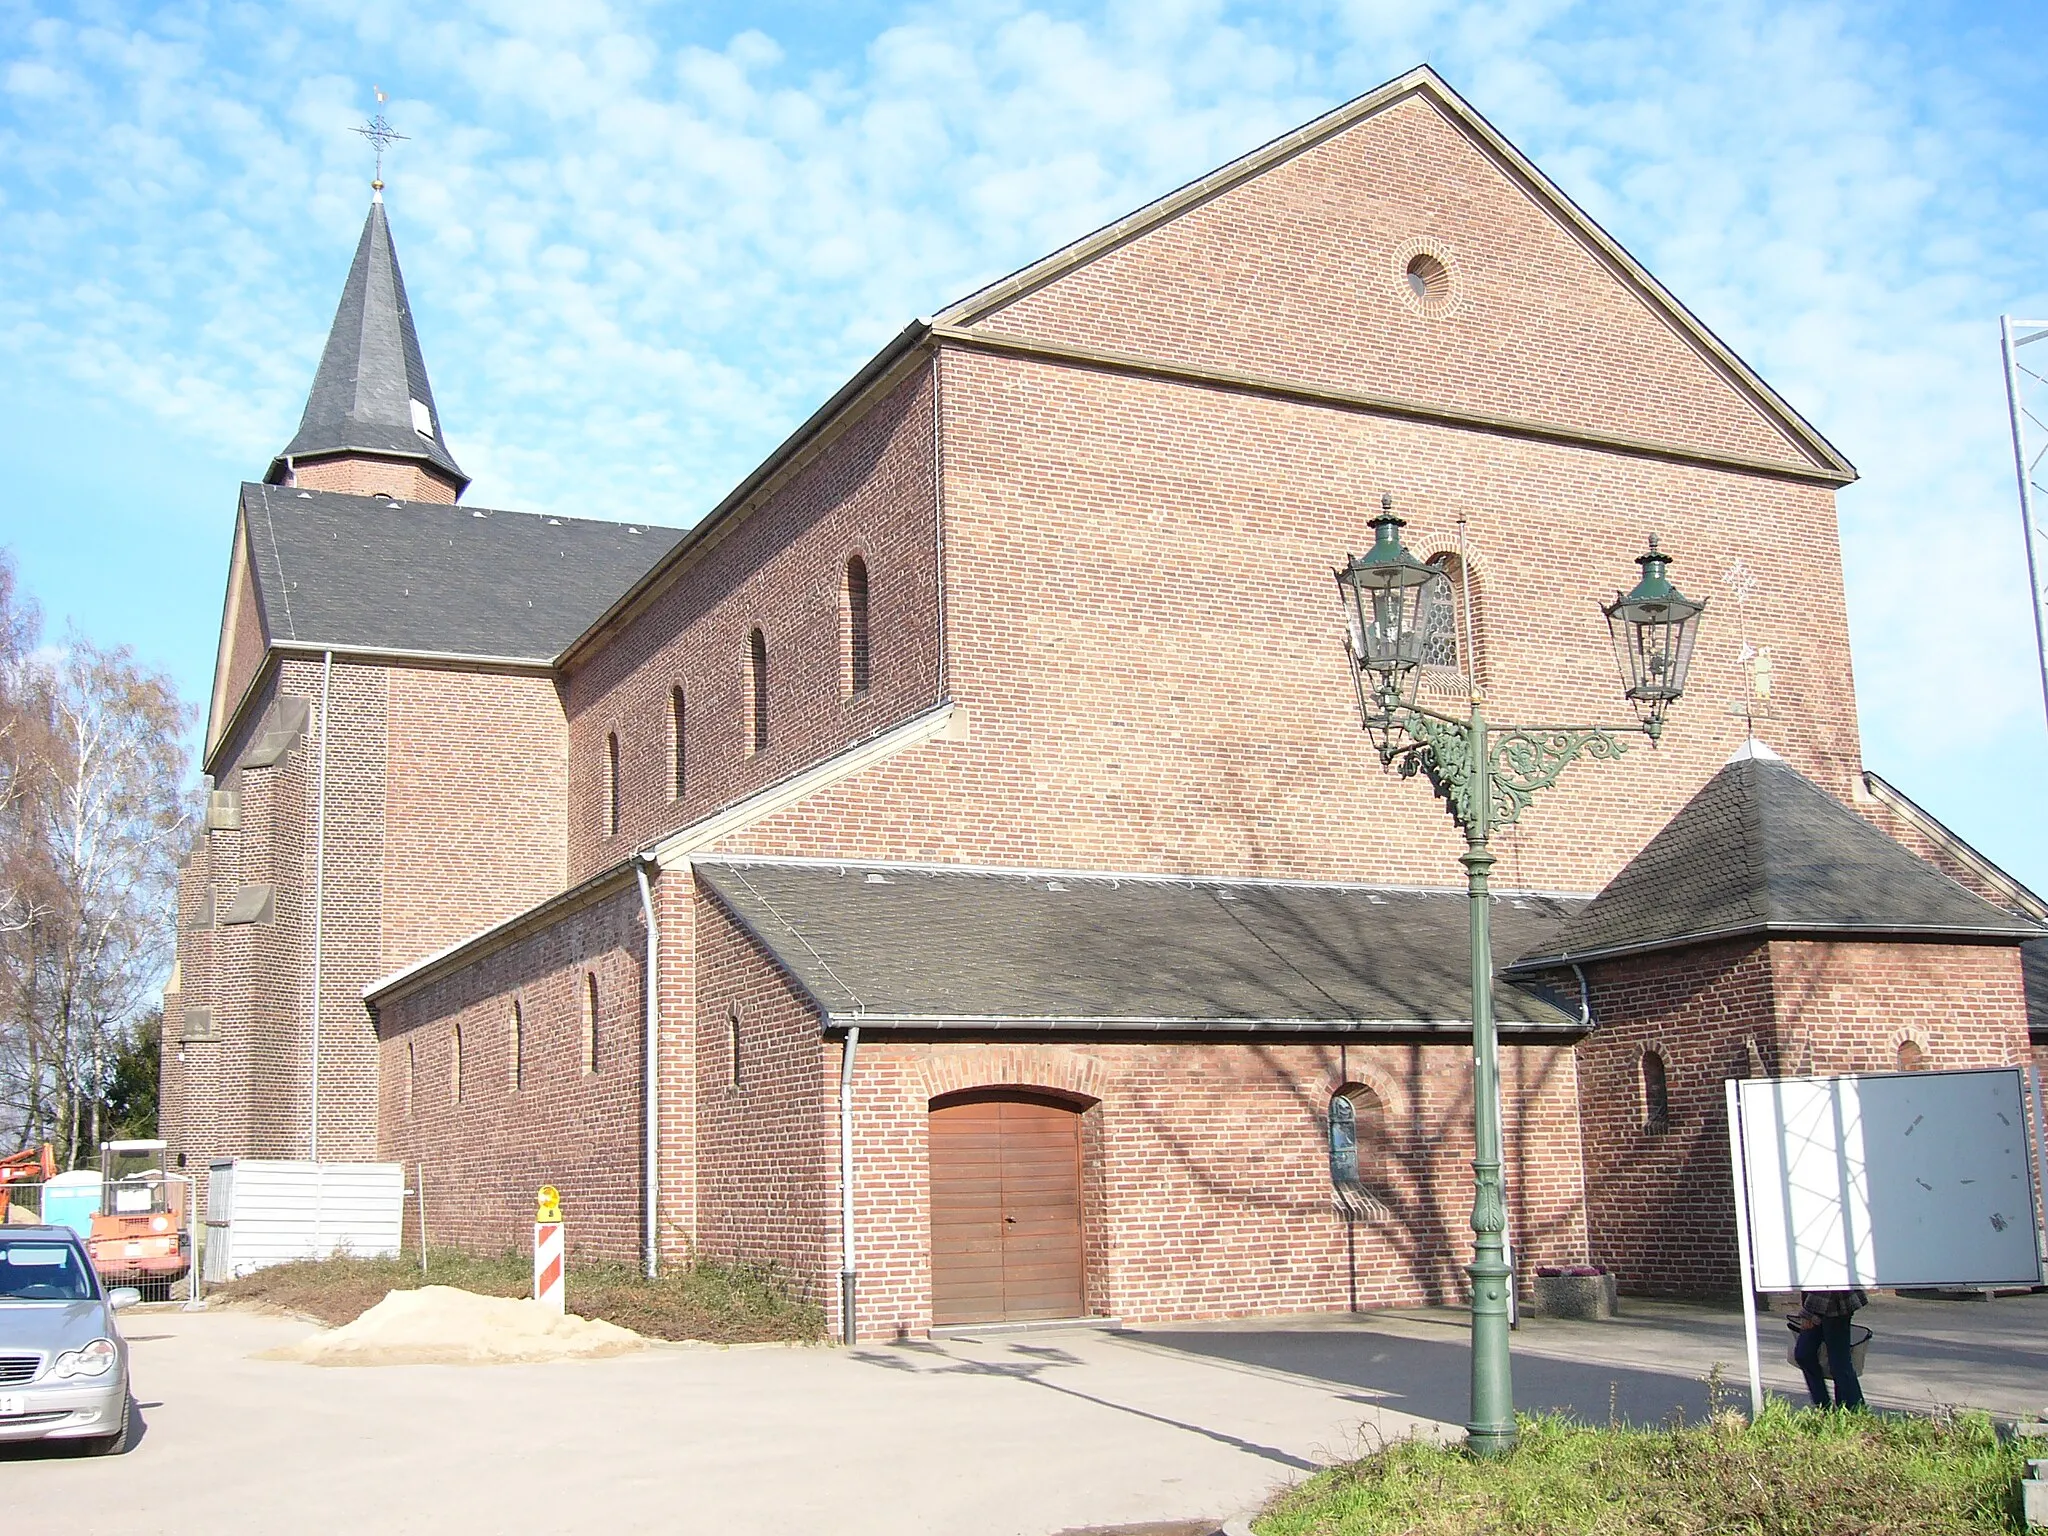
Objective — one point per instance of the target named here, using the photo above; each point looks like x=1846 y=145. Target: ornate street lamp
x=1486 y=775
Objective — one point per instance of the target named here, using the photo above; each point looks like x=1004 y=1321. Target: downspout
x=319 y=894
x=847 y=1271
x=1585 y=996
x=652 y=1069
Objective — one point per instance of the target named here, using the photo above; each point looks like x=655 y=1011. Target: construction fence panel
x=271 y=1210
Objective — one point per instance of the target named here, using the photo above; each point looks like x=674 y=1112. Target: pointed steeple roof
x=371 y=394
x=1762 y=849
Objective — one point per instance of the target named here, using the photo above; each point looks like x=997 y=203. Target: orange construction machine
x=138 y=1233
x=28 y=1166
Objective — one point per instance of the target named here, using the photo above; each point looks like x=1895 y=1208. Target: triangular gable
x=1546 y=321
x=244 y=639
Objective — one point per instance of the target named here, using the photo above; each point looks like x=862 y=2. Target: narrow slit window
x=858 y=657
x=611 y=785
x=732 y=1030
x=411 y=1071
x=1656 y=1095
x=678 y=716
x=515 y=1048
x=757 y=692
x=589 y=1022
x=455 y=1065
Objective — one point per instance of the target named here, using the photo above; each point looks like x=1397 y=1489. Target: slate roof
x=1762 y=849
x=975 y=951
x=365 y=573
x=372 y=370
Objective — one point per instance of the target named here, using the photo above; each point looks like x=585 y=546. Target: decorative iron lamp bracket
x=1519 y=761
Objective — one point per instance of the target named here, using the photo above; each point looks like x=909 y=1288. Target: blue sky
x=642 y=242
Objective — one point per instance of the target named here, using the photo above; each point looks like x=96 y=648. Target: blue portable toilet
x=72 y=1200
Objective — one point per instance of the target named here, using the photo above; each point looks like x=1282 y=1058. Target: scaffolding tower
x=2026 y=393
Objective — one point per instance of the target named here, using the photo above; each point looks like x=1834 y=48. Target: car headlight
x=95 y=1359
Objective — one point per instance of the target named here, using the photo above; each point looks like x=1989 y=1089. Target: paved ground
x=1017 y=1435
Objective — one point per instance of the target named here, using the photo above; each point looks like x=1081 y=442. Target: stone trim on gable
x=1378 y=405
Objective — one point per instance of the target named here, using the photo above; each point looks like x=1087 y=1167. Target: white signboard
x=1889 y=1179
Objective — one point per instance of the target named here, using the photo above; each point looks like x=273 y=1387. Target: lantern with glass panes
x=1653 y=626
x=1486 y=776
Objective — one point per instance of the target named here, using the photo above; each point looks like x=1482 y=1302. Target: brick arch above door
x=1060 y=1068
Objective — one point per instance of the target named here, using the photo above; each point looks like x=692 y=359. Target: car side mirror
x=123 y=1296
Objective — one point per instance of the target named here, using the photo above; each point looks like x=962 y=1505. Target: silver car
x=63 y=1363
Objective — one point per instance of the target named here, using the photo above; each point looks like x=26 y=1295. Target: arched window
x=455 y=1066
x=855 y=607
x=515 y=1048
x=677 y=713
x=611 y=785
x=1911 y=1057
x=1656 y=1095
x=1446 y=616
x=589 y=1022
x=732 y=1030
x=757 y=693
x=1357 y=1139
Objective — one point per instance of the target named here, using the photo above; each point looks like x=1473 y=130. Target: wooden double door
x=1006 y=1209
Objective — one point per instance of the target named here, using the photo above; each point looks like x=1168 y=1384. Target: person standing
x=1823 y=1320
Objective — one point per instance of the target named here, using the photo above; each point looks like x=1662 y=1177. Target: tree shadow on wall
x=1362 y=964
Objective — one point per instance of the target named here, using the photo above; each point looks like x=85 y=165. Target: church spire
x=370 y=423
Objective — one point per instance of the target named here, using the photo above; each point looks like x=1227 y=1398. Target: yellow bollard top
x=549 y=1205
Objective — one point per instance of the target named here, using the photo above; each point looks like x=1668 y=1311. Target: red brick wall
x=487 y=1154
x=444 y=813
x=781 y=569
x=1659 y=1204
x=1849 y=1005
x=475 y=809
x=404 y=479
x=1206 y=1186
x=767 y=1145
x=1299 y=273
x=1143 y=632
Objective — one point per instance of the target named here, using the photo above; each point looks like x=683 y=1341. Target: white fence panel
x=279 y=1210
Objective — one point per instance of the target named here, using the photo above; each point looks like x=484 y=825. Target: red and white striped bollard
x=548 y=1264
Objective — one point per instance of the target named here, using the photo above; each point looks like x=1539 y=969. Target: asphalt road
x=1009 y=1435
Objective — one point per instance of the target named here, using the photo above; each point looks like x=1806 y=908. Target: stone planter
x=1587 y=1297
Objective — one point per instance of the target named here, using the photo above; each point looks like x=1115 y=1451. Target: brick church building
x=955 y=859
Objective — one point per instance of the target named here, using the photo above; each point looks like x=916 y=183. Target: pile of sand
x=440 y=1325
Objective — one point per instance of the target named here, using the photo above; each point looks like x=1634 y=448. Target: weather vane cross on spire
x=381 y=136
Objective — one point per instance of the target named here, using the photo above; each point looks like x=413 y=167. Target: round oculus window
x=1428 y=279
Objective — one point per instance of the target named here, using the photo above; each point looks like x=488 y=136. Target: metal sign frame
x=2034 y=1144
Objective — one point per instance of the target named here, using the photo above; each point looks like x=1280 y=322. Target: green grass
x=1789 y=1474
x=727 y=1303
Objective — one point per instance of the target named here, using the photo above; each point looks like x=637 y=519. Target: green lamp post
x=1486 y=775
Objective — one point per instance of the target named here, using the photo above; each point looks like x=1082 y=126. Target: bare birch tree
x=93 y=812
x=118 y=815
